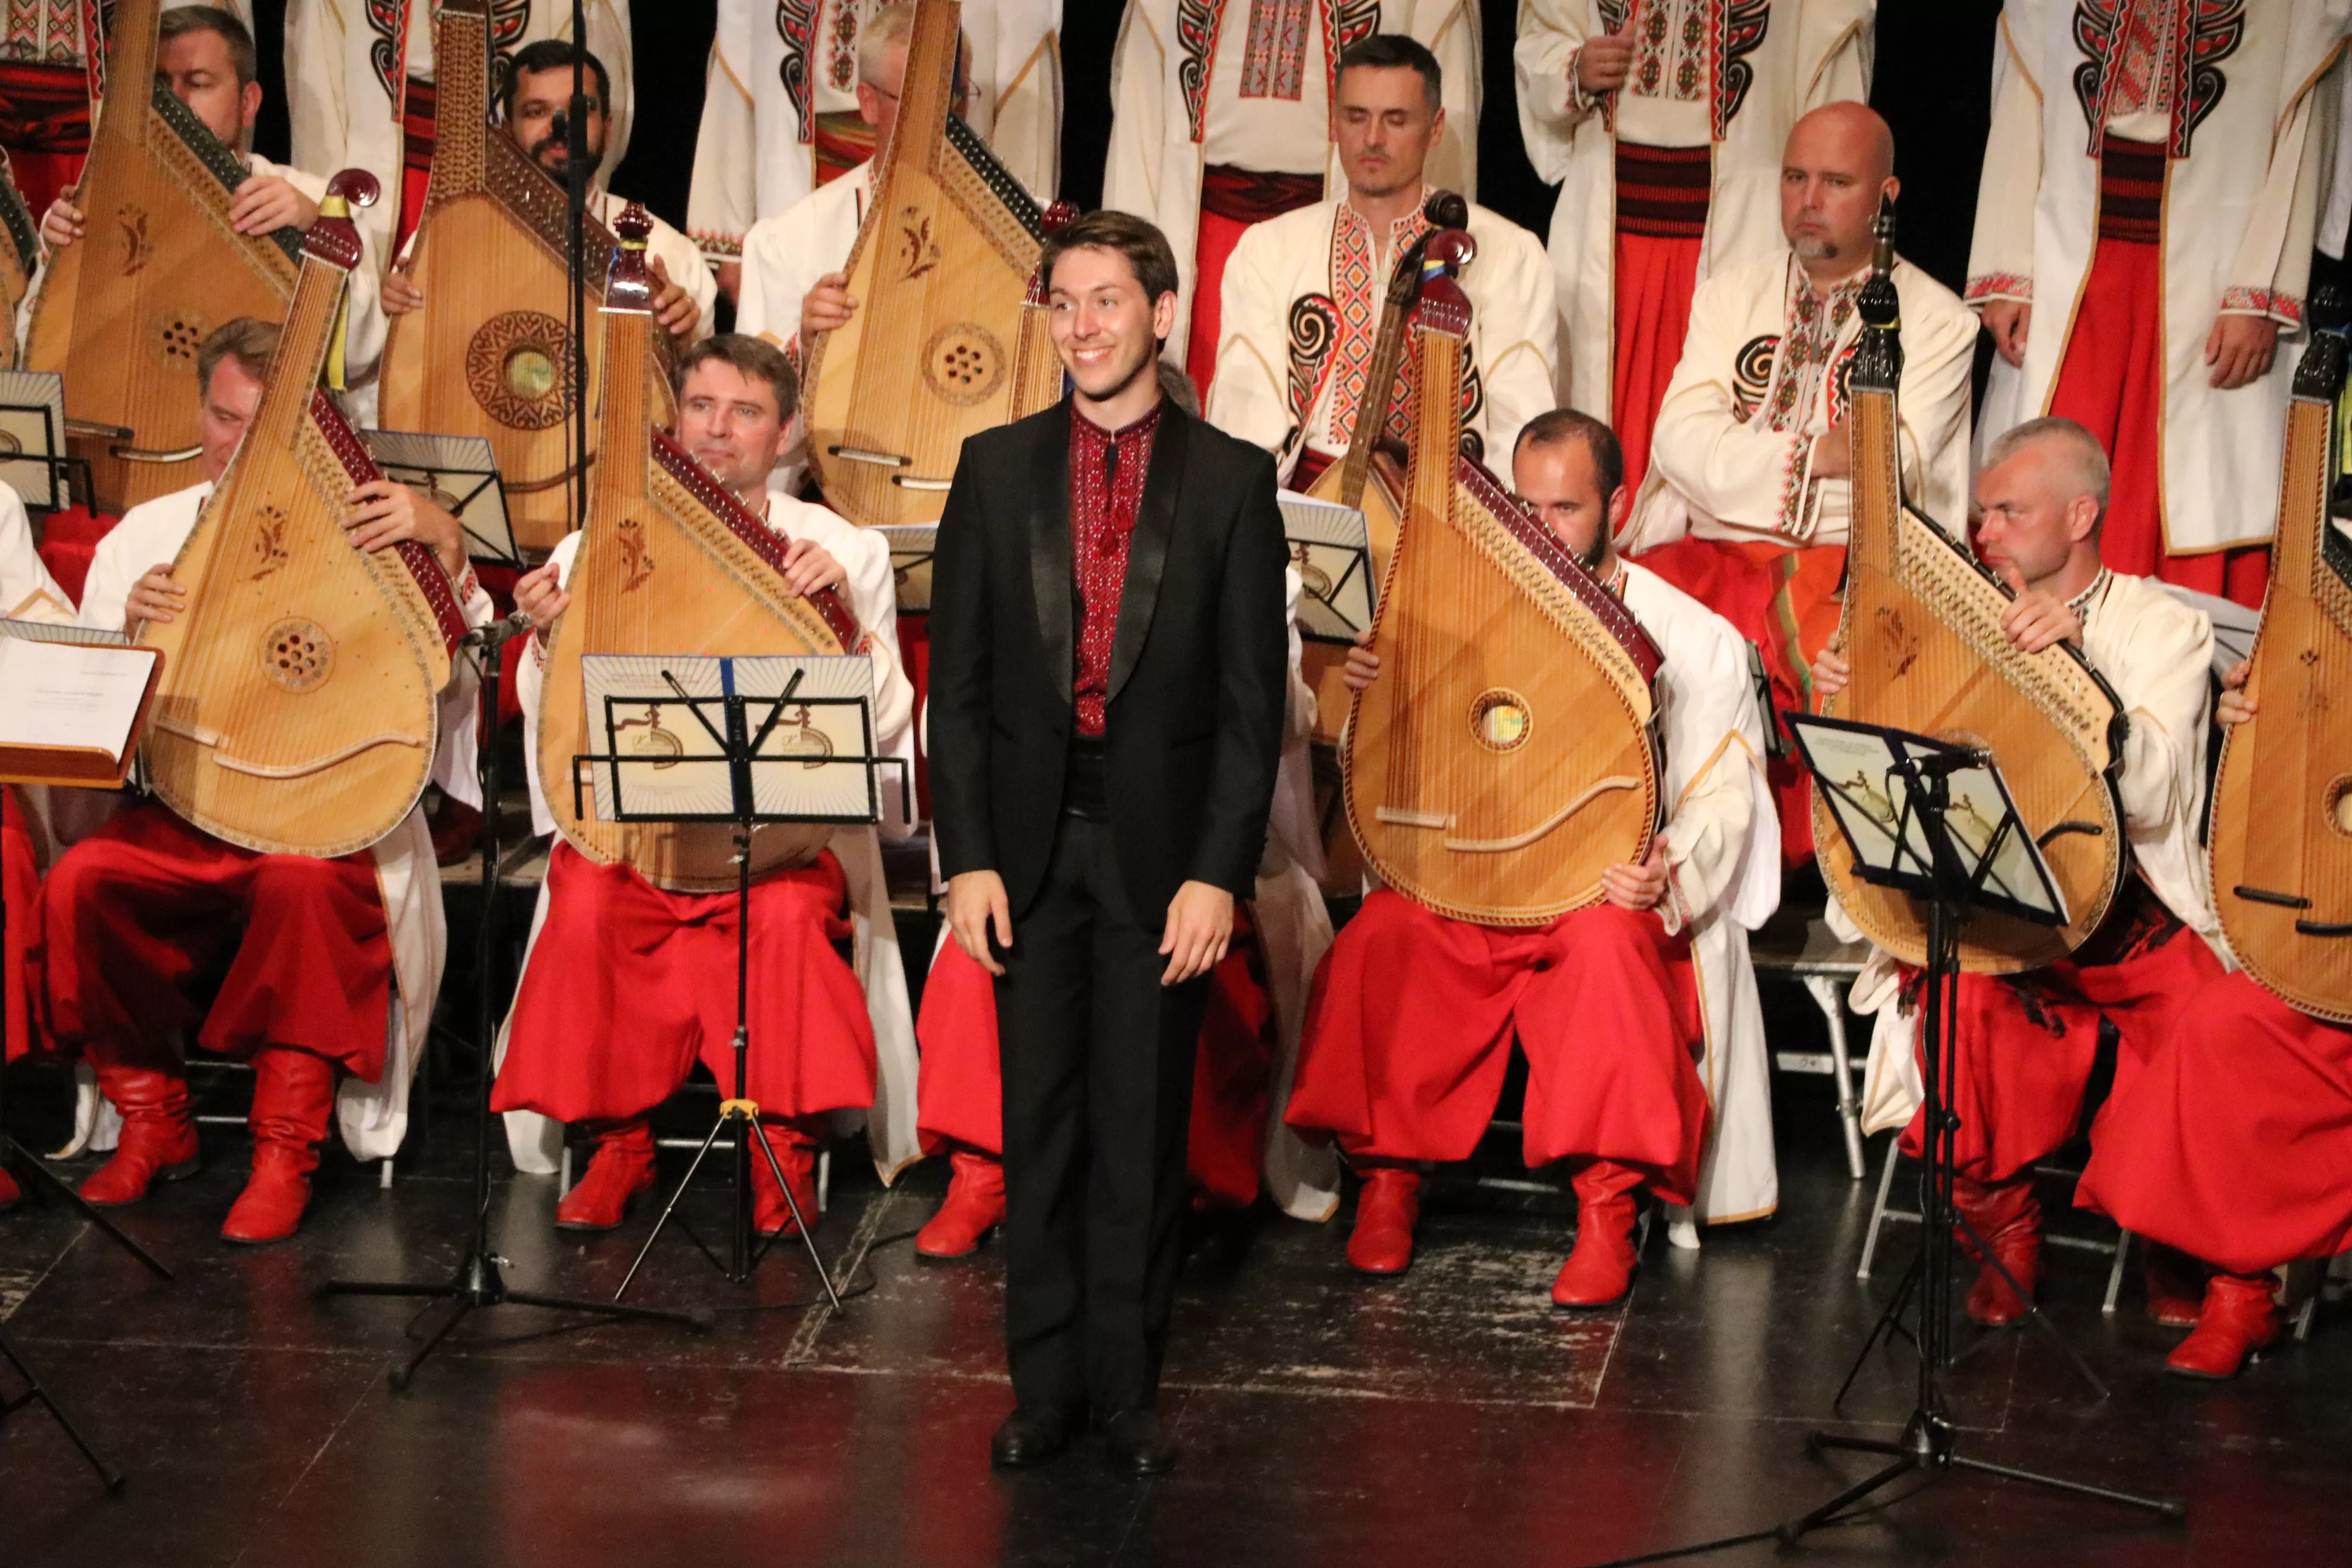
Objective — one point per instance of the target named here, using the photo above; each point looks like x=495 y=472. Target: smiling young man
x=2027 y=1045
x=1302 y=395
x=1745 y=504
x=332 y=966
x=1638 y=1015
x=626 y=985
x=1109 y=686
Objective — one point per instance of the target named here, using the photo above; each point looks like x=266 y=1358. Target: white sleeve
x=1139 y=120
x=1521 y=381
x=1553 y=113
x=1935 y=413
x=1449 y=29
x=723 y=199
x=1741 y=471
x=1709 y=829
x=2163 y=672
x=1247 y=398
x=2000 y=251
x=28 y=592
x=315 y=100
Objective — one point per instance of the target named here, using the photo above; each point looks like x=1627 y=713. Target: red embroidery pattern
x=2172 y=61
x=796 y=27
x=1344 y=23
x=1998 y=286
x=1107 y=469
x=1273 y=63
x=1737 y=27
x=1357 y=287
x=1197 y=22
x=2286 y=308
x=1813 y=327
x=841 y=57
x=388 y=20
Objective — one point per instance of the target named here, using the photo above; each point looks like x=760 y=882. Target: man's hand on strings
x=827 y=307
x=268 y=202
x=1363 y=666
x=154 y=597
x=2037 y=618
x=400 y=295
x=1638 y=888
x=809 y=566
x=674 y=308
x=976 y=906
x=1830 y=672
x=2236 y=704
x=383 y=513
x=539 y=595
x=1200 y=929
x=63 y=223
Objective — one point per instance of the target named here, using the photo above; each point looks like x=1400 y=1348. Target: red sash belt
x=1663 y=191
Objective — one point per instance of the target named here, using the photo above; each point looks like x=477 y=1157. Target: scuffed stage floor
x=1451 y=1417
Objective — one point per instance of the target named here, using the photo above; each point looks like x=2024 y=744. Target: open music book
x=76 y=699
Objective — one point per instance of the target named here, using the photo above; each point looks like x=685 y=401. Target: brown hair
x=181 y=20
x=553 y=54
x=1397 y=51
x=247 y=339
x=1554 y=425
x=1148 y=255
x=754 y=357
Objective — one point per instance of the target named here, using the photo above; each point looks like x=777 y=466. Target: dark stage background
x=1932 y=82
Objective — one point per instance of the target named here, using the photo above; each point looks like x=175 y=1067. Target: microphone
x=498 y=633
x=1943 y=764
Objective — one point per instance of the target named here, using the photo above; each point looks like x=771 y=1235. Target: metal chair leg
x=2116 y=1272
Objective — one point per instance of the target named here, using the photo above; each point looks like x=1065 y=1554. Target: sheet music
x=1330 y=549
x=32 y=436
x=48 y=631
x=70 y=694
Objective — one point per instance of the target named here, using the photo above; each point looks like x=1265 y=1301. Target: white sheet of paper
x=62 y=694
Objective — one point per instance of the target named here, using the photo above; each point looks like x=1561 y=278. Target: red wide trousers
x=2234 y=1143
x=2025 y=1046
x=138 y=919
x=960 y=1094
x=627 y=986
x=1656 y=277
x=1408 y=1033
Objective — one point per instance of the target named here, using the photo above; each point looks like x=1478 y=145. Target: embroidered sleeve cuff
x=539 y=647
x=1796 y=518
x=1988 y=286
x=1674 y=909
x=2286 y=309
x=719 y=247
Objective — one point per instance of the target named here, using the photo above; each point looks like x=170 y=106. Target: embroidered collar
x=2079 y=605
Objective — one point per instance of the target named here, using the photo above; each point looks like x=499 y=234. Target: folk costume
x=624 y=985
x=1221 y=117
x=359 y=89
x=1673 y=176
x=2026 y=1045
x=1641 y=1030
x=783 y=257
x=2234 y=1145
x=1730 y=512
x=2152 y=163
x=1302 y=298
x=28 y=592
x=780 y=109
x=332 y=965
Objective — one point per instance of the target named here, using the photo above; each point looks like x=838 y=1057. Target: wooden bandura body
x=489 y=354
x=670 y=563
x=951 y=332
x=2282 y=828
x=20 y=257
x=1922 y=629
x=122 y=310
x=297 y=708
x=1506 y=755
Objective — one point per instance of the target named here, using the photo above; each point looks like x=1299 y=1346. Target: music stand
x=745 y=770
x=32 y=438
x=478 y=1283
x=461 y=474
x=1331 y=550
x=913 y=545
x=36 y=763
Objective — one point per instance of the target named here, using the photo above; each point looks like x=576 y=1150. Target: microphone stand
x=479 y=1284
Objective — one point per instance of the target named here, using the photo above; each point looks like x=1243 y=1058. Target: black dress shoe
x=1032 y=1434
x=1137 y=1443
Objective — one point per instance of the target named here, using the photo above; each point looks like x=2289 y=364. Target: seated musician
x=2027 y=1045
x=1637 y=1015
x=2228 y=1154
x=1300 y=395
x=1745 y=502
x=331 y=966
x=208 y=57
x=626 y=985
x=28 y=592
x=1249 y=1038
x=538 y=86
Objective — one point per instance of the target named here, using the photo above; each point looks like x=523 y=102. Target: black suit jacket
x=1199 y=667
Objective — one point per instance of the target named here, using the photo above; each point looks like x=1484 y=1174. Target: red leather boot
x=2240 y=1318
x=1381 y=1242
x=795 y=1152
x=2176 y=1287
x=159 y=1136
x=2007 y=1219
x=974 y=1206
x=621 y=1167
x=9 y=1195
x=293 y=1097
x=1600 y=1268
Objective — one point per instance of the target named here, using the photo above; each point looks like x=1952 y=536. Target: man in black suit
x=1108 y=663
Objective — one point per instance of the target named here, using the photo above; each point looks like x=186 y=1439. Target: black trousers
x=1097 y=1068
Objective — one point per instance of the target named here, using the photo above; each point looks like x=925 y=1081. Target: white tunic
x=347 y=66
x=783 y=257
x=28 y=592
x=2252 y=135
x=1723 y=860
x=533 y=1140
x=1762 y=378
x=373 y=1116
x=1196 y=82
x=777 y=65
x=2157 y=654
x=1694 y=82
x=1281 y=388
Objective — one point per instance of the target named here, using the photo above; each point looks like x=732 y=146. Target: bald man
x=1745 y=502
x=2027 y=1046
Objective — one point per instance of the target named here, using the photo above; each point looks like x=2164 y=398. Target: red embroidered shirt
x=1106 y=473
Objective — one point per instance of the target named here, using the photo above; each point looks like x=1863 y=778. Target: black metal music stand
x=1902 y=838
x=478 y=1284
x=741 y=751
